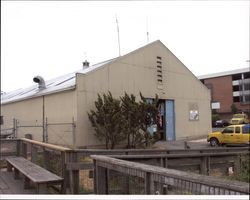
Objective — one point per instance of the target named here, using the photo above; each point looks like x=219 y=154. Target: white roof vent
x=85 y=64
x=40 y=81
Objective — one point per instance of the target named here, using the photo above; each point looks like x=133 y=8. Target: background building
x=227 y=89
x=56 y=111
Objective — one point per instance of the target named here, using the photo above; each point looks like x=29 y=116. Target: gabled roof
x=225 y=73
x=62 y=83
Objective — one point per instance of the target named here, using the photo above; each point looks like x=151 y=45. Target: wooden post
x=46 y=159
x=165 y=163
x=24 y=150
x=9 y=167
x=75 y=175
x=162 y=162
x=16 y=173
x=18 y=147
x=101 y=180
x=203 y=165
x=33 y=153
x=208 y=165
x=26 y=183
x=95 y=178
x=127 y=184
x=237 y=165
x=148 y=183
x=64 y=160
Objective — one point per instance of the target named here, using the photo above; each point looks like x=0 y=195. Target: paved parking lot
x=200 y=142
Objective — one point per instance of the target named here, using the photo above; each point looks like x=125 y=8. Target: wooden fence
x=191 y=183
x=70 y=163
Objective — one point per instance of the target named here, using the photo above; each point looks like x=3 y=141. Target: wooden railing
x=189 y=182
x=51 y=157
x=70 y=162
x=88 y=152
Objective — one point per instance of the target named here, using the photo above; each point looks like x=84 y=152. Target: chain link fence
x=54 y=132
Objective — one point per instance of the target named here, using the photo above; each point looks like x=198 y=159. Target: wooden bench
x=32 y=172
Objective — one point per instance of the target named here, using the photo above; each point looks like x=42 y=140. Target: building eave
x=38 y=95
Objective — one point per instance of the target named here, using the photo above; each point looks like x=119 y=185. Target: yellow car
x=239 y=119
x=234 y=134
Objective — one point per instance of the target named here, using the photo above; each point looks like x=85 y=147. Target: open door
x=170 y=120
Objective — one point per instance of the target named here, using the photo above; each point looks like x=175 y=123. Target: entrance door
x=170 y=120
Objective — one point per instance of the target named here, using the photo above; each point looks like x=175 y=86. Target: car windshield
x=238 y=116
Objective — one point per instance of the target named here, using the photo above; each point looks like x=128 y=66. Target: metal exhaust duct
x=40 y=81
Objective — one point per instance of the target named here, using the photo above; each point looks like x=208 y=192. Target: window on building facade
x=236 y=77
x=159 y=74
x=241 y=87
x=247 y=75
x=236 y=99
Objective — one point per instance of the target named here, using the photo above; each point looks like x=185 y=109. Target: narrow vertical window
x=159 y=74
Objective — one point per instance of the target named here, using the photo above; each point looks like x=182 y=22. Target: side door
x=228 y=135
x=237 y=136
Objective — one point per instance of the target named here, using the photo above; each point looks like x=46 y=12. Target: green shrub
x=244 y=175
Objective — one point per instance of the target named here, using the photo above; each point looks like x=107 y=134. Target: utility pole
x=147 y=31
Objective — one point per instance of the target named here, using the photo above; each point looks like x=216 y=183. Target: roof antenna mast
x=147 y=31
x=118 y=35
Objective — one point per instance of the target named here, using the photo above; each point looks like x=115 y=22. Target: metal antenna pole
x=118 y=35
x=85 y=55
x=147 y=31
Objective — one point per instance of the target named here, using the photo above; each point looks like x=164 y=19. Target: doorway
x=170 y=120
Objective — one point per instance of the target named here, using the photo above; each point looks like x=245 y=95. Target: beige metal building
x=56 y=111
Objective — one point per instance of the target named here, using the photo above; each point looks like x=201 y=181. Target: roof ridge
x=224 y=73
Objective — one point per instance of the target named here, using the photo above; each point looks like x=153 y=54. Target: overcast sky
x=54 y=38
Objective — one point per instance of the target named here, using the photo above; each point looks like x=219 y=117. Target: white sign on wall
x=215 y=105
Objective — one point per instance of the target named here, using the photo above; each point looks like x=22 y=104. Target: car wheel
x=214 y=142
